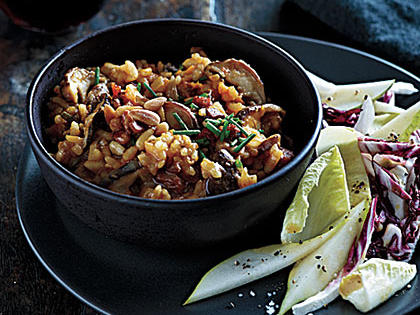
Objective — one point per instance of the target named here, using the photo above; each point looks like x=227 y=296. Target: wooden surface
x=25 y=286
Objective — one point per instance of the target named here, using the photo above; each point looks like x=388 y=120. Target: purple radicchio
x=339 y=117
x=388 y=97
x=394 y=173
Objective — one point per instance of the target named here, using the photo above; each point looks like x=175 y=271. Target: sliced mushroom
x=76 y=84
x=184 y=113
x=241 y=75
x=130 y=167
x=122 y=185
x=267 y=117
x=97 y=94
x=269 y=142
x=228 y=181
x=259 y=111
x=223 y=157
x=116 y=174
x=287 y=156
x=95 y=120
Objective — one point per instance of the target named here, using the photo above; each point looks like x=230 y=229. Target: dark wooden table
x=25 y=286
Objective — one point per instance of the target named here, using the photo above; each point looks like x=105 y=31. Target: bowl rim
x=104 y=192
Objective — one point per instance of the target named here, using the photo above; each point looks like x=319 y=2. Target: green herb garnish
x=180 y=121
x=261 y=130
x=202 y=155
x=193 y=106
x=234 y=142
x=239 y=127
x=188 y=101
x=139 y=87
x=244 y=143
x=150 y=89
x=204 y=78
x=215 y=122
x=224 y=133
x=239 y=164
x=203 y=141
x=212 y=128
x=97 y=72
x=187 y=132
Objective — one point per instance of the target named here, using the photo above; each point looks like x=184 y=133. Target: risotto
x=160 y=131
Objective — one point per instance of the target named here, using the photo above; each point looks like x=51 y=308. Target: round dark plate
x=120 y=278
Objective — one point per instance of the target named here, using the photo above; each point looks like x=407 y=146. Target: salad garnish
x=356 y=213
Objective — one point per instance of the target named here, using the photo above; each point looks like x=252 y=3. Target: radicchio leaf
x=373 y=146
x=339 y=117
x=394 y=172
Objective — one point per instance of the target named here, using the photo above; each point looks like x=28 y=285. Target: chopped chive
x=203 y=141
x=215 y=122
x=97 y=71
x=180 y=121
x=238 y=164
x=181 y=67
x=212 y=128
x=228 y=118
x=239 y=127
x=193 y=106
x=202 y=155
x=261 y=130
x=224 y=134
x=244 y=143
x=203 y=78
x=188 y=101
x=187 y=132
x=139 y=87
x=234 y=142
x=150 y=89
x=203 y=95
x=67 y=116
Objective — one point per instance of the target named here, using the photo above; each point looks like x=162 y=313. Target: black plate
x=119 y=278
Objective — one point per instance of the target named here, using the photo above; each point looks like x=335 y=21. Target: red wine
x=50 y=16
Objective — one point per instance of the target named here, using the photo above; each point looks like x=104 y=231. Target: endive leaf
x=313 y=273
x=347 y=141
x=381 y=120
x=254 y=264
x=385 y=108
x=375 y=281
x=321 y=198
x=348 y=96
x=402 y=126
x=367 y=115
x=356 y=256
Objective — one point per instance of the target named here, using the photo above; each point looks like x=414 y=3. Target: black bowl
x=181 y=223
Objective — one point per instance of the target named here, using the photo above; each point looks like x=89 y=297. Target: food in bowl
x=164 y=132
